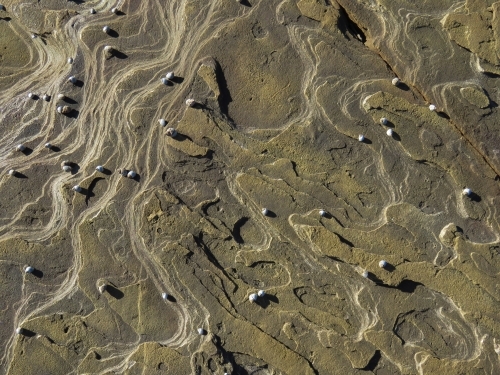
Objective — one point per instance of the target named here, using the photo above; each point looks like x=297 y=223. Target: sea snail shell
x=171 y=132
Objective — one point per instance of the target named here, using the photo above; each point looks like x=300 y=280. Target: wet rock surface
x=154 y=273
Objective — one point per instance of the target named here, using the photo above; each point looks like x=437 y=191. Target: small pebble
x=106 y=29
x=261 y=293
x=114 y=10
x=19 y=331
x=190 y=102
x=252 y=297
x=29 y=269
x=99 y=168
x=265 y=211
x=20 y=147
x=432 y=107
x=131 y=174
x=12 y=172
x=70 y=60
x=77 y=188
x=46 y=97
x=92 y=11
x=170 y=75
x=47 y=145
x=66 y=168
x=31 y=95
x=467 y=191
x=389 y=132
x=162 y=122
x=382 y=264
x=365 y=274
x=322 y=213
x=72 y=79
x=164 y=81
x=164 y=295
x=361 y=138
x=383 y=121
x=396 y=81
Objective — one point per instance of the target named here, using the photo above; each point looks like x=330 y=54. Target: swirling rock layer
x=171 y=238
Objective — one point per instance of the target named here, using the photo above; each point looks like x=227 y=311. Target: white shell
x=77 y=188
x=432 y=107
x=12 y=172
x=389 y=132
x=383 y=121
x=66 y=168
x=30 y=95
x=46 y=97
x=72 y=79
x=382 y=264
x=99 y=168
x=102 y=288
x=171 y=132
x=61 y=96
x=164 y=81
x=170 y=75
x=70 y=60
x=108 y=48
x=164 y=295
x=106 y=29
x=19 y=331
x=33 y=36
x=59 y=109
x=190 y=102
x=361 y=137
x=261 y=293
x=29 y=269
x=92 y=11
x=20 y=147
x=114 y=10
x=395 y=81
x=322 y=212
x=265 y=211
x=162 y=122
x=131 y=174
x=365 y=274
x=47 y=145
x=201 y=331
x=466 y=191
x=252 y=297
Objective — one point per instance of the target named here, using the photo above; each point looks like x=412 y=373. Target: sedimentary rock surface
x=281 y=156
